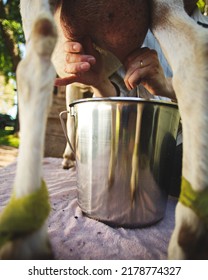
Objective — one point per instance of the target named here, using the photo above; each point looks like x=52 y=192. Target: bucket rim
x=124 y=99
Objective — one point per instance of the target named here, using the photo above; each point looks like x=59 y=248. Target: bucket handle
x=64 y=129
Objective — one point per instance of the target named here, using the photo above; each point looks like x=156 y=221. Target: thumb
x=67 y=80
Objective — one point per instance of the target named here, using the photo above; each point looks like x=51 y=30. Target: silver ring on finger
x=141 y=63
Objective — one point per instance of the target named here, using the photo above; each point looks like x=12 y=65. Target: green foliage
x=201 y=4
x=8 y=138
x=11 y=37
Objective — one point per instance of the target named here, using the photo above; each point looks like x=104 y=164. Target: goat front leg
x=185 y=45
x=23 y=228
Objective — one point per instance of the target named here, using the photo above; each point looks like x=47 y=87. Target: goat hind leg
x=185 y=45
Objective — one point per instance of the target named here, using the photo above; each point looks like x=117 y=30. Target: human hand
x=83 y=64
x=143 y=67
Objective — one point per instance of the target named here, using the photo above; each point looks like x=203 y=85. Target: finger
x=77 y=67
x=147 y=64
x=137 y=76
x=133 y=71
x=73 y=78
x=71 y=58
x=136 y=54
x=132 y=80
x=73 y=47
x=147 y=75
x=141 y=58
x=135 y=79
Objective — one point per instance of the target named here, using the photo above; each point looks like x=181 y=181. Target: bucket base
x=123 y=225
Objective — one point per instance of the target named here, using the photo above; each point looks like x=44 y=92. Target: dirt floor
x=7 y=155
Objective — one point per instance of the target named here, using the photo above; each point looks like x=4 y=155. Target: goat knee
x=44 y=35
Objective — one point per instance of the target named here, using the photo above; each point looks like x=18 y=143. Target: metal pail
x=124 y=149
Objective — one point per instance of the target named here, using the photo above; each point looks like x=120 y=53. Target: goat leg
x=35 y=79
x=186 y=49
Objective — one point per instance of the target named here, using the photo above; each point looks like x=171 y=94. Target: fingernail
x=91 y=60
x=75 y=47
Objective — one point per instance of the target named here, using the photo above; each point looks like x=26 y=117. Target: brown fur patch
x=44 y=27
x=195 y=247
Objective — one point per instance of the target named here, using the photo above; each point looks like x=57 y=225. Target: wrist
x=106 y=89
x=169 y=89
x=166 y=89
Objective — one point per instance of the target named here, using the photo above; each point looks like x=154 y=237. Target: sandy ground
x=7 y=155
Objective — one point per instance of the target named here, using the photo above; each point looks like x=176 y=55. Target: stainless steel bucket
x=124 y=150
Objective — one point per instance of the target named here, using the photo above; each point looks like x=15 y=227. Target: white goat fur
x=186 y=48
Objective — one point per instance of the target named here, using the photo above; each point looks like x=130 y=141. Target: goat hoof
x=68 y=163
x=10 y=251
x=27 y=247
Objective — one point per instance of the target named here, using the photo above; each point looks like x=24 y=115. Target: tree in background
x=11 y=39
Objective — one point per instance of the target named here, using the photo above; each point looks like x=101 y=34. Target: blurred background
x=11 y=51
